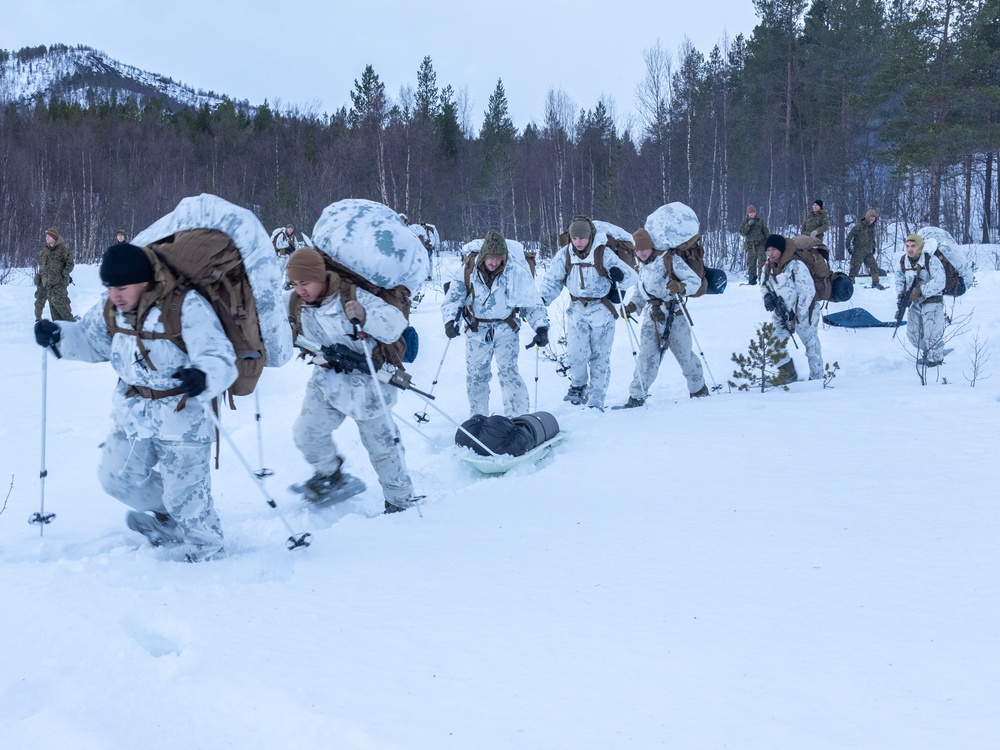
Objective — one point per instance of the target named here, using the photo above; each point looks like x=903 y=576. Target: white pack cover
x=671 y=225
x=371 y=240
x=515 y=251
x=604 y=228
x=950 y=249
x=262 y=265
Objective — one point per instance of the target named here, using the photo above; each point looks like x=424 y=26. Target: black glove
x=541 y=337
x=615 y=274
x=770 y=301
x=451 y=329
x=47 y=333
x=192 y=380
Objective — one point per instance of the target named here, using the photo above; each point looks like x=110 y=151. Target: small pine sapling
x=759 y=366
x=829 y=373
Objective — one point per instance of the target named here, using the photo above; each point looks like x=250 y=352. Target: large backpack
x=830 y=286
x=624 y=249
x=957 y=270
x=400 y=351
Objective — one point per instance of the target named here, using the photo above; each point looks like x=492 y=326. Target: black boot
x=700 y=393
x=632 y=403
x=575 y=395
x=786 y=374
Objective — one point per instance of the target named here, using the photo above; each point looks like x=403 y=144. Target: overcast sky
x=308 y=53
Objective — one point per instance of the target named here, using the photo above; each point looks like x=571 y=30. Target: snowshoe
x=321 y=490
x=632 y=403
x=159 y=528
x=398 y=506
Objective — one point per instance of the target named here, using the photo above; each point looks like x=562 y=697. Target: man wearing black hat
x=790 y=295
x=156 y=458
x=817 y=221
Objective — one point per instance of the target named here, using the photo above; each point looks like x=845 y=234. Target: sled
x=857 y=317
x=502 y=463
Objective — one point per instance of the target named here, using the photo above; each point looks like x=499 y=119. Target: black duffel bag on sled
x=503 y=436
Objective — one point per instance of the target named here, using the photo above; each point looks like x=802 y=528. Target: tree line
x=885 y=104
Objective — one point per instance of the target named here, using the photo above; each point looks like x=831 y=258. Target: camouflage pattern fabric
x=817 y=222
x=583 y=280
x=165 y=476
x=925 y=329
x=924 y=319
x=861 y=244
x=796 y=288
x=55 y=264
x=501 y=341
x=652 y=286
x=313 y=433
x=754 y=232
x=590 y=333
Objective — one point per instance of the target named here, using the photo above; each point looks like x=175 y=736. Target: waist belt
x=155 y=395
x=588 y=300
x=473 y=322
x=932 y=300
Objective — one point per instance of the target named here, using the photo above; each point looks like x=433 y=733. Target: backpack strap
x=170 y=318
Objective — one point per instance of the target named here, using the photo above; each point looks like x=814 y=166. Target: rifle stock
x=903 y=304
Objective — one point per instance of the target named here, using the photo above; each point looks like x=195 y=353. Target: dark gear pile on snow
x=511 y=437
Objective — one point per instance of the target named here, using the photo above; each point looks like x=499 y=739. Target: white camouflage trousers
x=809 y=335
x=313 y=433
x=501 y=341
x=164 y=476
x=925 y=330
x=590 y=333
x=651 y=356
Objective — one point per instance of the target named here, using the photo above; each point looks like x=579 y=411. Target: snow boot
x=632 y=403
x=576 y=394
x=205 y=553
x=398 y=506
x=752 y=282
x=159 y=528
x=325 y=489
x=876 y=285
x=786 y=374
x=700 y=393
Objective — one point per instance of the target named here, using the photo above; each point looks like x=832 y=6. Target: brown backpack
x=207 y=261
x=692 y=253
x=622 y=248
x=398 y=297
x=954 y=284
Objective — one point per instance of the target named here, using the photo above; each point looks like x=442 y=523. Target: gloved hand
x=915 y=294
x=47 y=333
x=451 y=329
x=630 y=309
x=676 y=287
x=615 y=274
x=770 y=301
x=192 y=380
x=541 y=337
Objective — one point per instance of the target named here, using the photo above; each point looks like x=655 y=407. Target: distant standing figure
x=120 y=236
x=754 y=231
x=55 y=264
x=284 y=241
x=861 y=244
x=817 y=221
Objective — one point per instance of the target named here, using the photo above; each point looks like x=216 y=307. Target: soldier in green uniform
x=55 y=264
x=861 y=244
x=817 y=222
x=754 y=232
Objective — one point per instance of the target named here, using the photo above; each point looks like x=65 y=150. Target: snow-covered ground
x=816 y=568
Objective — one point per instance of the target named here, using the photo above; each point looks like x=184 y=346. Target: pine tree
x=759 y=367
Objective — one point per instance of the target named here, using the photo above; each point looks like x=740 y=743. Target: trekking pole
x=537 y=357
x=715 y=385
x=386 y=411
x=41 y=517
x=261 y=472
x=422 y=417
x=295 y=540
x=634 y=341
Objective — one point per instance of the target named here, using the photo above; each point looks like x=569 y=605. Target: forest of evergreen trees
x=890 y=105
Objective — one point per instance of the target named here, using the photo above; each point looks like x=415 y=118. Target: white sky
x=309 y=53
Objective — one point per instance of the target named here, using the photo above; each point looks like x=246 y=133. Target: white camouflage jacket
x=653 y=280
x=352 y=393
x=208 y=348
x=512 y=289
x=796 y=288
x=931 y=283
x=583 y=279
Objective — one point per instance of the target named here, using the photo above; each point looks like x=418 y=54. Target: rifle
x=903 y=303
x=784 y=315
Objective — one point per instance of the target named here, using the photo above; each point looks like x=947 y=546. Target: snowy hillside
x=816 y=568
x=81 y=74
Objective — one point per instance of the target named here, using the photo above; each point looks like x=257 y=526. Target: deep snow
x=815 y=568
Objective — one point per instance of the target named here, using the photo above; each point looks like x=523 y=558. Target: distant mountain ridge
x=83 y=75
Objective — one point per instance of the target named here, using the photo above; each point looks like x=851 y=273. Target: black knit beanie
x=125 y=264
x=818 y=202
x=775 y=241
